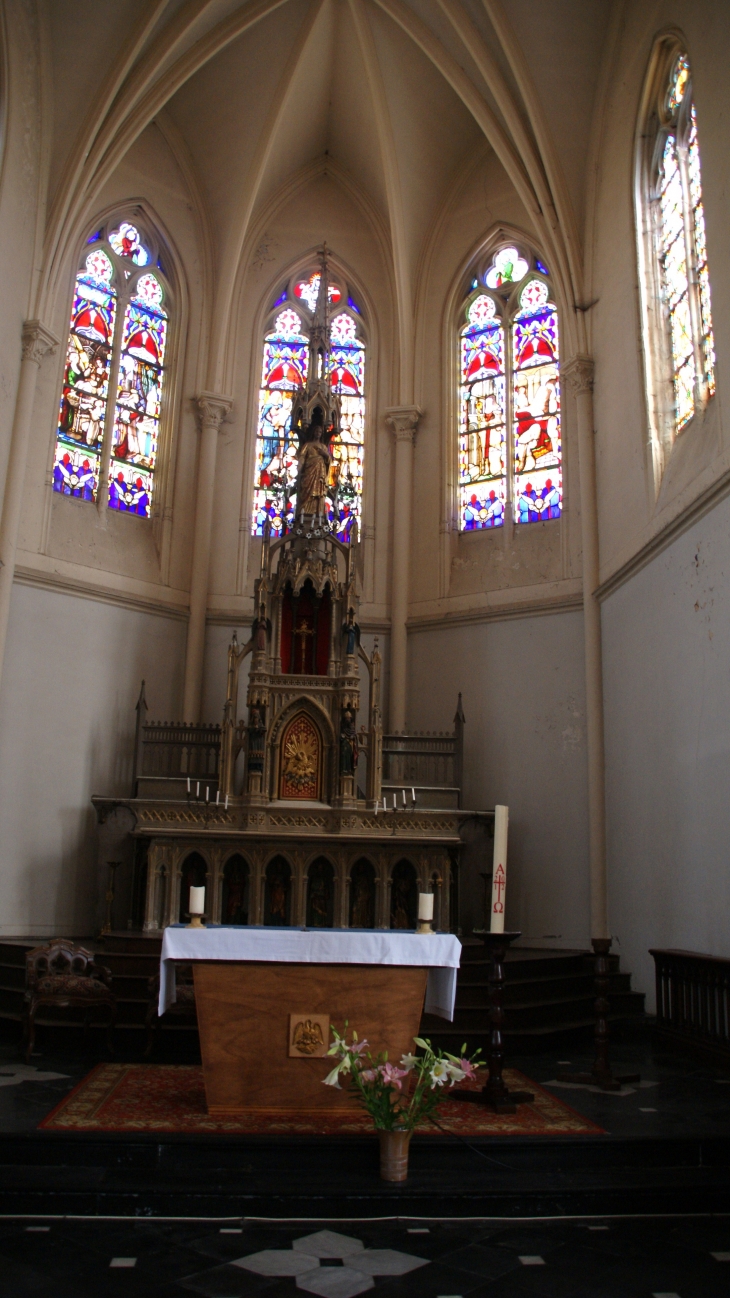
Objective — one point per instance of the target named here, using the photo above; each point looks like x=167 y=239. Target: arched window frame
x=659 y=122
x=484 y=281
x=126 y=275
x=285 y=298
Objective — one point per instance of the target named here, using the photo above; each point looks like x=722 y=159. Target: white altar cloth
x=438 y=952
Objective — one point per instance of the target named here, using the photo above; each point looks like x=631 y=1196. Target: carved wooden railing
x=693 y=1000
x=427 y=758
x=169 y=750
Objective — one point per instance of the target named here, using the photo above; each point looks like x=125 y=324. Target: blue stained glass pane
x=94 y=238
x=139 y=393
x=353 y=305
x=536 y=408
x=281 y=299
x=541 y=267
x=482 y=465
x=85 y=383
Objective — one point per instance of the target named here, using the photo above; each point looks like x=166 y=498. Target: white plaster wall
x=666 y=638
x=72 y=674
x=524 y=700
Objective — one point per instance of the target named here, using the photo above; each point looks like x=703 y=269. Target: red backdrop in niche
x=305 y=632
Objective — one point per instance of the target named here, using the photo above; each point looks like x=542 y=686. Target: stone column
x=579 y=374
x=37 y=342
x=403 y=421
x=212 y=410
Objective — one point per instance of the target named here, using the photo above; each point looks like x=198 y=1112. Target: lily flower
x=392 y=1075
x=408 y=1062
x=332 y=1079
x=439 y=1073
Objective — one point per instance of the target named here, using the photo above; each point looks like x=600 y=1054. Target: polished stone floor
x=685 y=1257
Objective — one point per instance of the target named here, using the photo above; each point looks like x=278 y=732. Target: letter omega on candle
x=499 y=870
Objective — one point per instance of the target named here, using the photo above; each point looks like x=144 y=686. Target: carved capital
x=579 y=374
x=37 y=341
x=213 y=408
x=403 y=422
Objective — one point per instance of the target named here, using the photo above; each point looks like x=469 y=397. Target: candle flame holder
x=196 y=920
x=425 y=926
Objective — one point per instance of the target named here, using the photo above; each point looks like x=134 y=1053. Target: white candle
x=207 y=793
x=226 y=806
x=425 y=905
x=376 y=805
x=188 y=786
x=217 y=796
x=499 y=870
x=395 y=802
x=197 y=901
x=413 y=795
x=197 y=789
x=403 y=795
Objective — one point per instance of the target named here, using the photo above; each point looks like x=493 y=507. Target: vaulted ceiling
x=398 y=97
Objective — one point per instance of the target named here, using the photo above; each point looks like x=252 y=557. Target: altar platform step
x=548 y=995
x=337 y=1178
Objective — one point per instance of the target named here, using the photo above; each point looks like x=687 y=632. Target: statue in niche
x=351 y=634
x=256 y=739
x=348 y=744
x=361 y=909
x=260 y=629
x=314 y=468
x=277 y=900
x=319 y=899
x=399 y=903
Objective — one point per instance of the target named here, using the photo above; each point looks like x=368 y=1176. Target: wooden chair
x=182 y=1008
x=63 y=974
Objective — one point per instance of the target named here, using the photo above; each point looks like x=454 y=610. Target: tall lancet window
x=677 y=313
x=285 y=371
x=510 y=460
x=109 y=421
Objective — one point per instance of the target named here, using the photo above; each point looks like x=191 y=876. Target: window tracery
x=680 y=342
x=284 y=374
x=509 y=380
x=109 y=429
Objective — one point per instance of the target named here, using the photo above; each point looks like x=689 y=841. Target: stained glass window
x=108 y=435
x=139 y=391
x=86 y=380
x=682 y=249
x=482 y=417
x=536 y=408
x=347 y=366
x=284 y=373
x=509 y=378
x=286 y=361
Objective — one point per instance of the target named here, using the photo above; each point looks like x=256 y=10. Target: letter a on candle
x=499 y=870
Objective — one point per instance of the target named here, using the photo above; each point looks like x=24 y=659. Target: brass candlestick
x=196 y=921
x=425 y=926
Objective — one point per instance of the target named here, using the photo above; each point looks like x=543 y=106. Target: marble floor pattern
x=686 y=1257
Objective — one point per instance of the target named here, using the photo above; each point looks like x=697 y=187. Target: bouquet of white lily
x=398 y=1097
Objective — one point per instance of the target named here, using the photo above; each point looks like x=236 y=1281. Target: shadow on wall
x=61 y=892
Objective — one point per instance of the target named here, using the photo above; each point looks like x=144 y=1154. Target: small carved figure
x=277 y=899
x=348 y=744
x=351 y=633
x=256 y=739
x=261 y=629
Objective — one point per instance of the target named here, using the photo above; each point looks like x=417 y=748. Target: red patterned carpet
x=153 y=1097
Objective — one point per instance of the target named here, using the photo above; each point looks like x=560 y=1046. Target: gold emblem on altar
x=308 y=1035
x=300 y=759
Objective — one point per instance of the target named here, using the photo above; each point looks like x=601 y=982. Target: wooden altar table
x=266 y=997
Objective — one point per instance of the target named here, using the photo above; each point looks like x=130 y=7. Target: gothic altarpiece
x=280 y=814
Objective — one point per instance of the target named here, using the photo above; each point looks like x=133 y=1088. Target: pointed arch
x=678 y=344
x=116 y=363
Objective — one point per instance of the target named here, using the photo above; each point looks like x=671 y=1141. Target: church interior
x=366 y=493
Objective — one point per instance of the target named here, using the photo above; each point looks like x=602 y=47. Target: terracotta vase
x=394 y=1154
